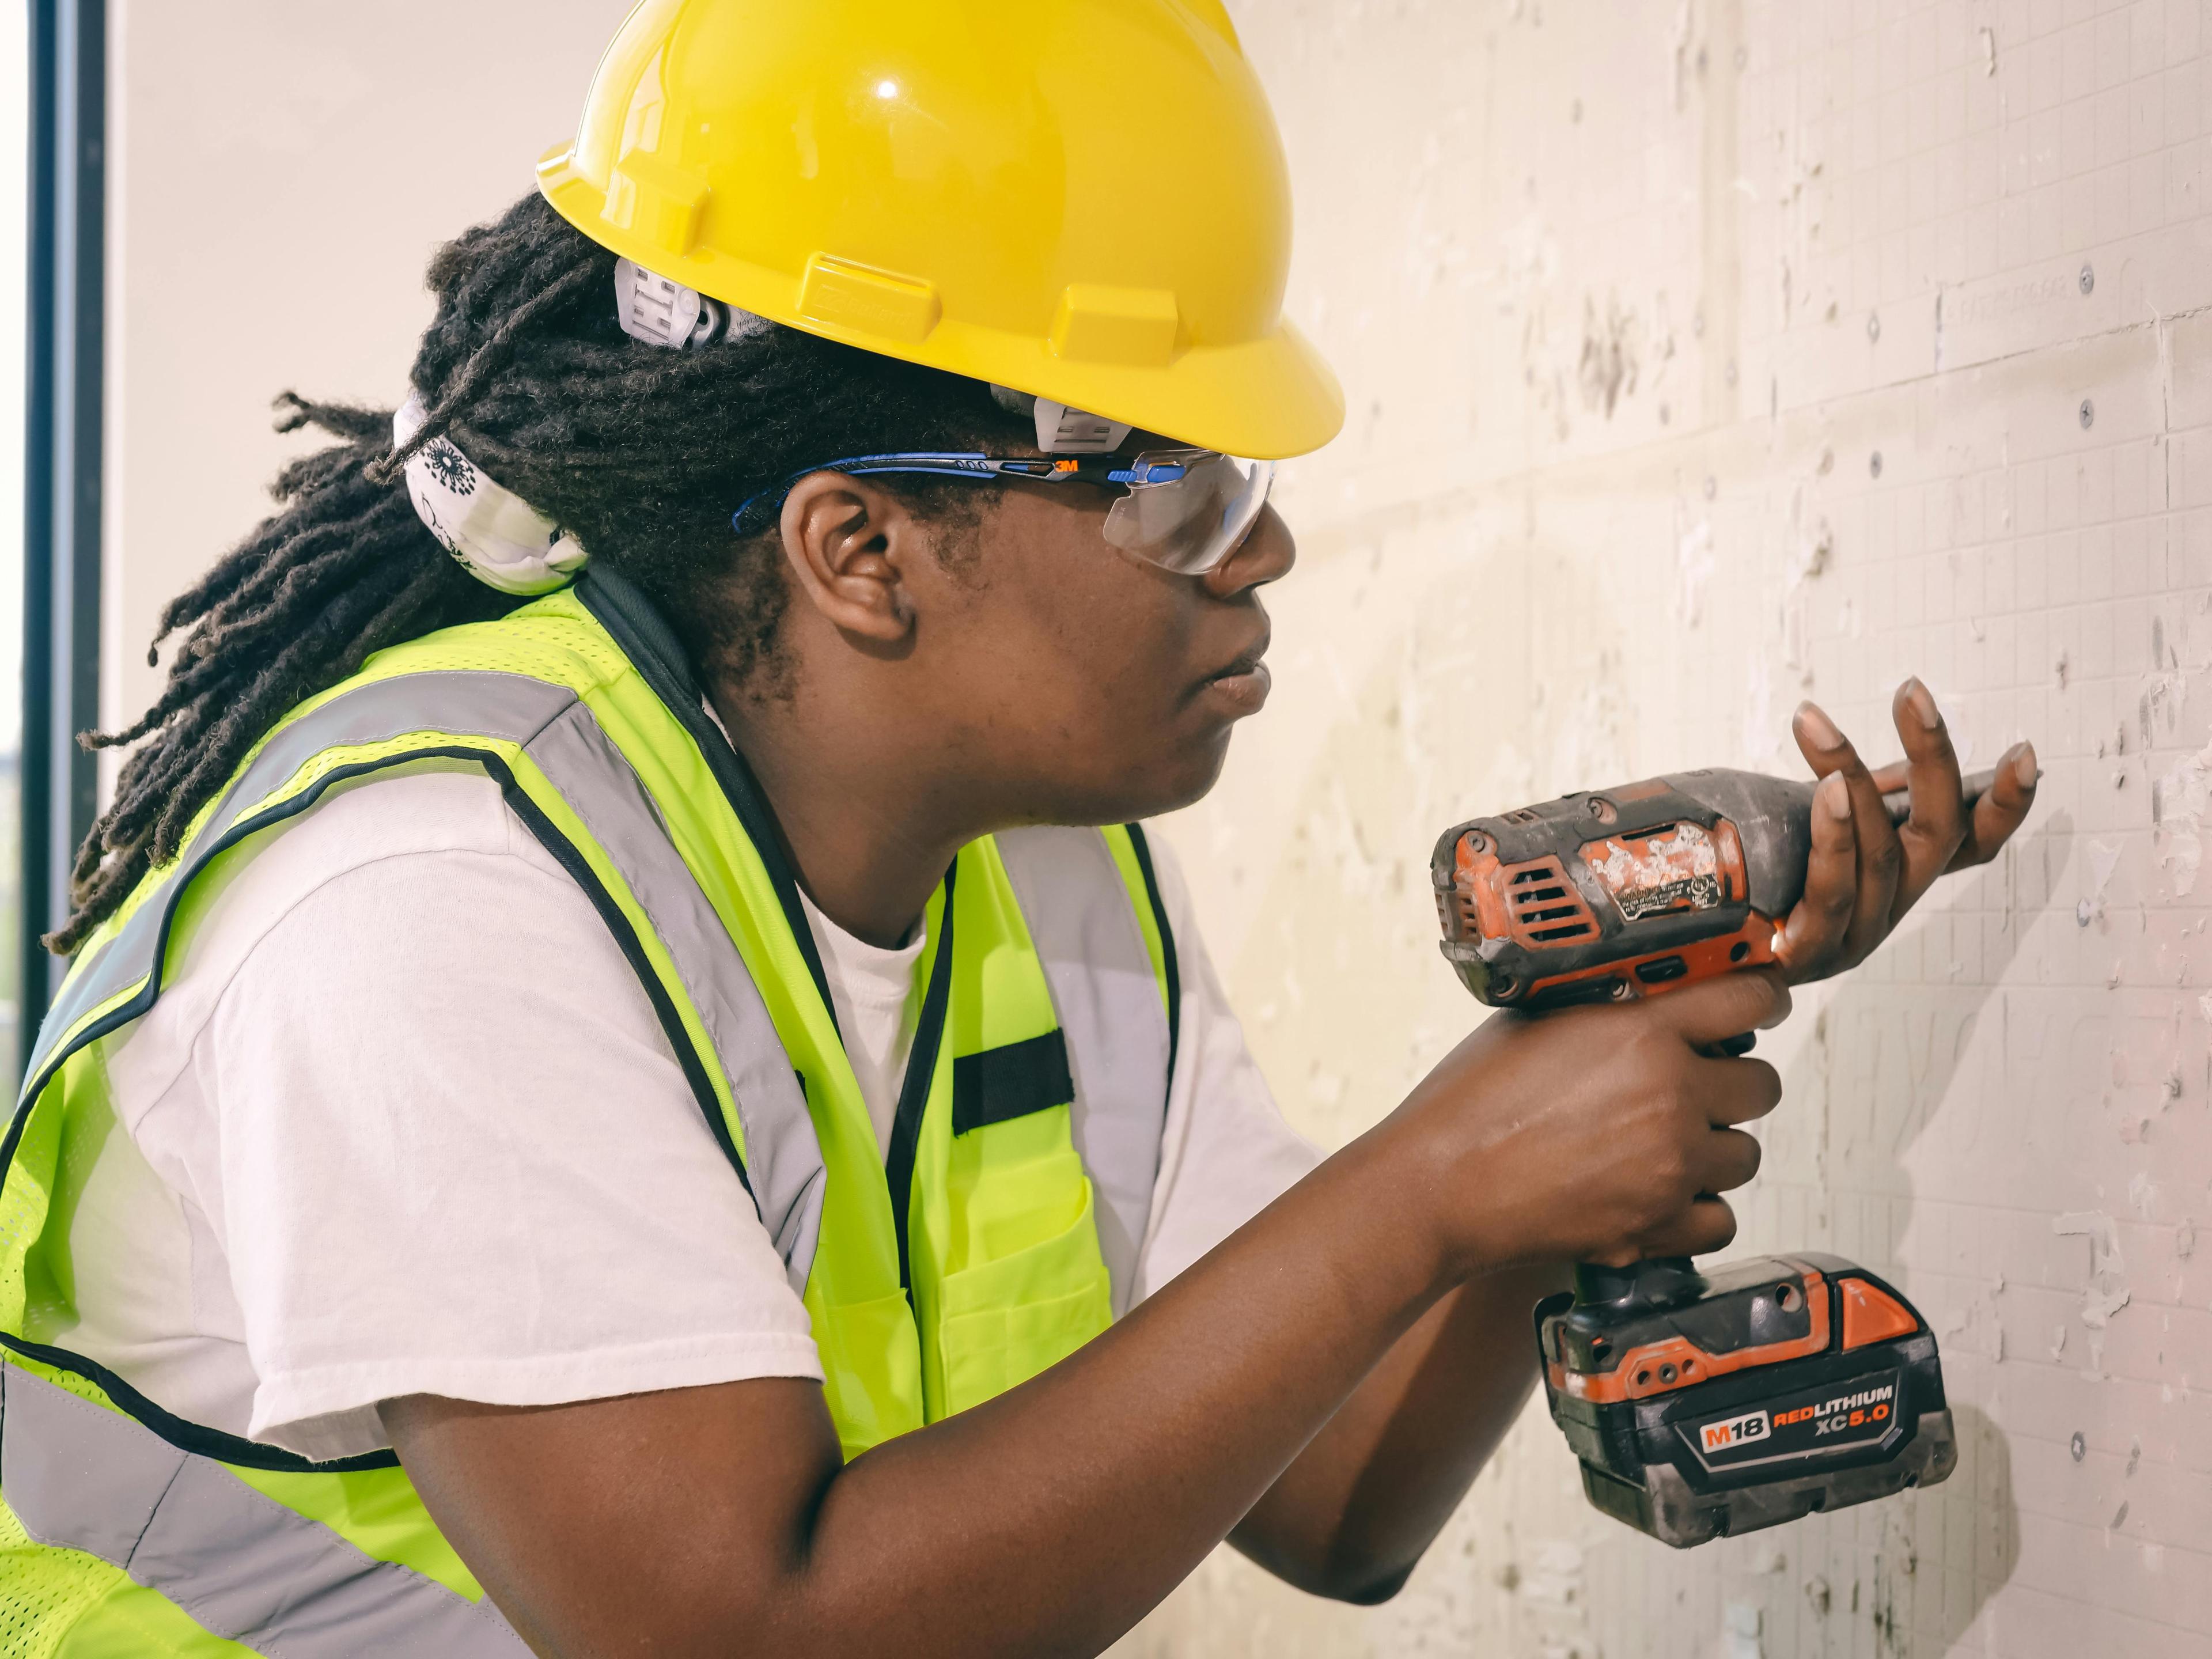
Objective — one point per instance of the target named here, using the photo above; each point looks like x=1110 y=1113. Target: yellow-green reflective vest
x=973 y=1256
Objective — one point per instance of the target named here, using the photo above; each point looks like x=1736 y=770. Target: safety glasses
x=1184 y=510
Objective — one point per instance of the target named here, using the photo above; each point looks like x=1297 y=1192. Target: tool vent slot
x=1547 y=907
x=1470 y=918
x=1456 y=907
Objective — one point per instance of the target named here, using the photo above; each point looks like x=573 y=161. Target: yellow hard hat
x=1084 y=200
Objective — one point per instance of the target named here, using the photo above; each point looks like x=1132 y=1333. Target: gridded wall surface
x=1702 y=357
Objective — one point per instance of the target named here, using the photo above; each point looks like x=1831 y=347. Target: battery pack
x=1710 y=1404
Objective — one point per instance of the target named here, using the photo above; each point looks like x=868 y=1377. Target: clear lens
x=1189 y=523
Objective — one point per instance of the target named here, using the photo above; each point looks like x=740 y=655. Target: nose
x=1266 y=554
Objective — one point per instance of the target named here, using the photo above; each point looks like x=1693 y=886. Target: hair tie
x=503 y=541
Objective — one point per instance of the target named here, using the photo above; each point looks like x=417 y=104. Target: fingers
x=2001 y=810
x=1891 y=867
x=1938 y=822
x=1739 y=1091
x=1812 y=936
x=1721 y=1008
x=1881 y=856
x=1706 y=1225
x=1728 y=1159
x=1693 y=1219
x=1703 y=1221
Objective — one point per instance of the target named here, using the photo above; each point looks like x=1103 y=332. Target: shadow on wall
x=1879 y=1072
x=1898 y=1601
x=1984 y=1477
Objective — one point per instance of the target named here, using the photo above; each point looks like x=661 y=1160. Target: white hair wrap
x=505 y=542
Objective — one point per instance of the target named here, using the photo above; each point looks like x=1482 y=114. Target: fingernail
x=1924 y=703
x=1835 y=801
x=2024 y=767
x=1817 y=726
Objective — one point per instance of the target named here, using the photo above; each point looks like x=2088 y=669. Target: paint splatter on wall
x=1701 y=357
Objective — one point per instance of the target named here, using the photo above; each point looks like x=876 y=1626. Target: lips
x=1244 y=662
x=1240 y=686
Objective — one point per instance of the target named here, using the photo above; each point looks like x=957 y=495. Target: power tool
x=1701 y=1405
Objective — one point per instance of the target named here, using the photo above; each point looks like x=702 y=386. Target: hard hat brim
x=1268 y=398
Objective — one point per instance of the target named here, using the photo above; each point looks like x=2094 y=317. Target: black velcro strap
x=999 y=1084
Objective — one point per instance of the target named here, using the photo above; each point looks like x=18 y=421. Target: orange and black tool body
x=1608 y=894
x=1709 y=1406
x=1699 y=1405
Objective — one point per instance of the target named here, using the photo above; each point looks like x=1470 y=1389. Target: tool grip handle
x=1655 y=1282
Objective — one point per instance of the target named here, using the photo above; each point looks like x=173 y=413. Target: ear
x=850 y=544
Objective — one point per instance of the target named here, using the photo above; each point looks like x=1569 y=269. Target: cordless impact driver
x=1700 y=1404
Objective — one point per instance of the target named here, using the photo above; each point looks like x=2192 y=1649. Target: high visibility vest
x=970 y=1258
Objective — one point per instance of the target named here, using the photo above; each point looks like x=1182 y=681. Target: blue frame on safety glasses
x=1183 y=510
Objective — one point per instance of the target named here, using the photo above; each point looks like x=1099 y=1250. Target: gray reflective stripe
x=513 y=707
x=1084 y=924
x=243 y=1566
x=783 y=1158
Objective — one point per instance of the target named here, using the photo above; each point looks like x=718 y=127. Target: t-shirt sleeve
x=1228 y=1153
x=458 y=1157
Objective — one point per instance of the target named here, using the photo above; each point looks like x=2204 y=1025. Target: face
x=1114 y=684
x=1047 y=677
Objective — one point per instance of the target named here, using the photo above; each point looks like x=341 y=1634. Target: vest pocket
x=1005 y=1321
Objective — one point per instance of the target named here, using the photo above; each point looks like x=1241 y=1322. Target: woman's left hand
x=1866 y=873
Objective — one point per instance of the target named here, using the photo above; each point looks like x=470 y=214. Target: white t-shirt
x=403 y=1121
x=870 y=993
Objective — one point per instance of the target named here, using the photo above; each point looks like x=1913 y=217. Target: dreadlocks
x=638 y=451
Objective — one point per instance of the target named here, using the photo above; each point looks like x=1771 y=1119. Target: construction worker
x=613 y=1094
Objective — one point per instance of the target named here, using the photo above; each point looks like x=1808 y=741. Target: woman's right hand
x=1600 y=1134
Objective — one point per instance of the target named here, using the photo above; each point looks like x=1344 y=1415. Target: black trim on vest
x=252 y=1454
x=672 y=1022
x=644 y=636
x=1011 y=1081
x=191 y=1437
x=1143 y=849
x=913 y=1090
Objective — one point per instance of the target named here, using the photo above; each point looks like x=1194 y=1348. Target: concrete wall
x=1703 y=356
x=1628 y=296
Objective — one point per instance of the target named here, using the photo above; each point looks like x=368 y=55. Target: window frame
x=64 y=363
